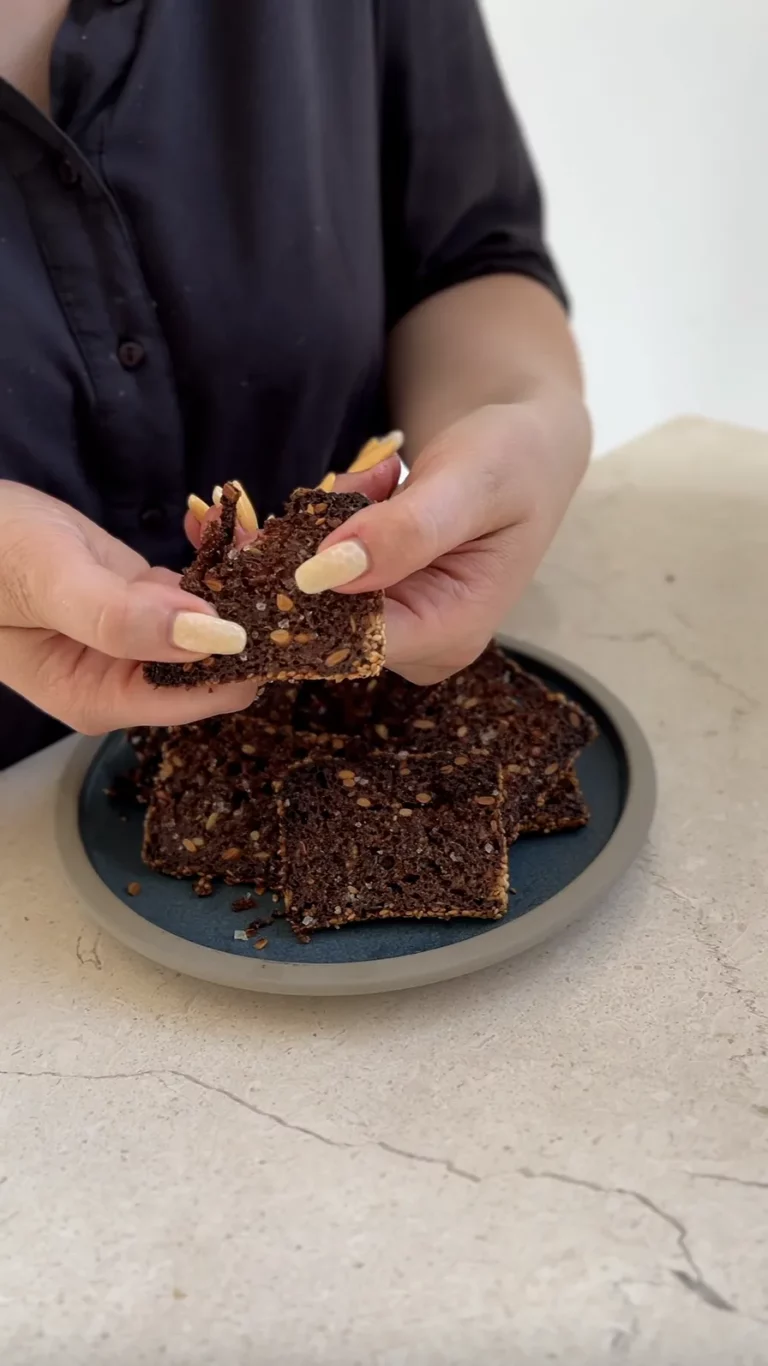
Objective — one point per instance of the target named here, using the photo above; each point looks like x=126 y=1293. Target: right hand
x=78 y=609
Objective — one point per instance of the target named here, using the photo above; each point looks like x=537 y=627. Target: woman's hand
x=78 y=608
x=455 y=545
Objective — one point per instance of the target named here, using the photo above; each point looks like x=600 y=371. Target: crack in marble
x=449 y=1166
x=705 y=1292
x=729 y=1180
x=159 y=1074
x=704 y=936
x=11 y=1214
x=692 y=1279
x=89 y=955
x=279 y=1120
x=666 y=886
x=694 y=666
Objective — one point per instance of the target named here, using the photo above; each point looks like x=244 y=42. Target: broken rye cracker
x=292 y=635
x=491 y=707
x=375 y=837
x=274 y=706
x=563 y=808
x=212 y=812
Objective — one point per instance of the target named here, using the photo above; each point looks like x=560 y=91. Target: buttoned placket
x=86 y=243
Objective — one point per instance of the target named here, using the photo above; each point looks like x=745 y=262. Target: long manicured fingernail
x=246 y=512
x=328 y=483
x=375 y=452
x=331 y=568
x=369 y=449
x=393 y=442
x=204 y=635
x=217 y=494
x=197 y=506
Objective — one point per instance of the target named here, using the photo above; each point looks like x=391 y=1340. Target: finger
x=126 y=695
x=427 y=647
x=378 y=483
x=198 y=507
x=194 y=528
x=437 y=510
x=246 y=512
x=197 y=518
x=144 y=619
x=158 y=574
x=93 y=694
x=377 y=449
x=441 y=618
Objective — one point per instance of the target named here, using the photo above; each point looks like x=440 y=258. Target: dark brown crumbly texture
x=147 y=744
x=291 y=635
x=343 y=708
x=381 y=837
x=493 y=707
x=563 y=809
x=274 y=705
x=492 y=712
x=213 y=811
x=541 y=740
x=498 y=708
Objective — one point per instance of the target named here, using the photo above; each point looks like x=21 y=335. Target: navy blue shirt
x=204 y=247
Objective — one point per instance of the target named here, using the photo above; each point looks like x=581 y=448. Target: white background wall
x=649 y=123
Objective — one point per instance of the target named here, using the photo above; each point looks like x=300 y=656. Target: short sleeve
x=460 y=197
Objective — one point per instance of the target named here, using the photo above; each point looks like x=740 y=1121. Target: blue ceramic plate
x=554 y=877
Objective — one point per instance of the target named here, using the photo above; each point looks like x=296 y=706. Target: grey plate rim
x=384 y=974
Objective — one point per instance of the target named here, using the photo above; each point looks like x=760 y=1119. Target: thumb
x=440 y=507
x=146 y=616
x=378 y=483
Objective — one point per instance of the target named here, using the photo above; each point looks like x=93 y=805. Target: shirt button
x=131 y=354
x=68 y=174
x=153 y=518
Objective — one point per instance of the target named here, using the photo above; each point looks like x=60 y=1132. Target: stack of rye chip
x=355 y=795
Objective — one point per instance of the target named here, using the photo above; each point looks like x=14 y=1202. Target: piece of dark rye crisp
x=147 y=745
x=291 y=635
x=384 y=708
x=344 y=708
x=212 y=812
x=378 y=837
x=274 y=705
x=492 y=707
x=496 y=707
x=564 y=808
x=542 y=738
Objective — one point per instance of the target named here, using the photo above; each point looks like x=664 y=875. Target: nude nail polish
x=197 y=506
x=332 y=568
x=204 y=635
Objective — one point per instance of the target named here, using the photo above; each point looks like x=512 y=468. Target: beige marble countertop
x=561 y=1160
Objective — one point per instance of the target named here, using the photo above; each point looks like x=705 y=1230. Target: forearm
x=501 y=339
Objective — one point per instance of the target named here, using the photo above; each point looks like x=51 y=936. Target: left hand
x=459 y=541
